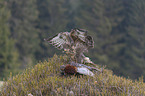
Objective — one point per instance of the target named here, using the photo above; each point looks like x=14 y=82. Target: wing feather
x=59 y=40
x=81 y=34
x=89 y=41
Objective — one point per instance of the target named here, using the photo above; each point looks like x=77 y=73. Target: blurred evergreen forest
x=117 y=26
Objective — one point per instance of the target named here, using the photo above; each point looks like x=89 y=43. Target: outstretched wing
x=80 y=35
x=60 y=41
x=82 y=39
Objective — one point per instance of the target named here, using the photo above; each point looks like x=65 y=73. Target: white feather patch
x=85 y=71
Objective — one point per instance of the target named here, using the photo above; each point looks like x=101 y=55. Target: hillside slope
x=45 y=80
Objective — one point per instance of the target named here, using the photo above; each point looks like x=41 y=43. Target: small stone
x=71 y=93
x=95 y=82
x=30 y=94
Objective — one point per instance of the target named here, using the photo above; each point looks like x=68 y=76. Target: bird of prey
x=75 y=70
x=74 y=43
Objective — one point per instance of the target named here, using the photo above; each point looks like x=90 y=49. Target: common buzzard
x=74 y=43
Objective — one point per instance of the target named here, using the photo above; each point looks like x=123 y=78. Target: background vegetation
x=118 y=29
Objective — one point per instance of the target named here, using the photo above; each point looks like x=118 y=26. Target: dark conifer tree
x=91 y=16
x=23 y=28
x=8 y=53
x=52 y=20
x=135 y=39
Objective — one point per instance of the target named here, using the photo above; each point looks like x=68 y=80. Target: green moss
x=45 y=80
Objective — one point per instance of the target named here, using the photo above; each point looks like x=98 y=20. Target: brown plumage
x=69 y=69
x=75 y=42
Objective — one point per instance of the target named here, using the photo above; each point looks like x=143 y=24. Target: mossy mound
x=45 y=80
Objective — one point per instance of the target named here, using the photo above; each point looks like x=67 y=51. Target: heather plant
x=44 y=79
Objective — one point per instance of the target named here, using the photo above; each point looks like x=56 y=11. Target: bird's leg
x=88 y=60
x=93 y=64
x=78 y=55
x=70 y=54
x=83 y=56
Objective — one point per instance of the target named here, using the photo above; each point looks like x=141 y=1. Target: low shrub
x=45 y=80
